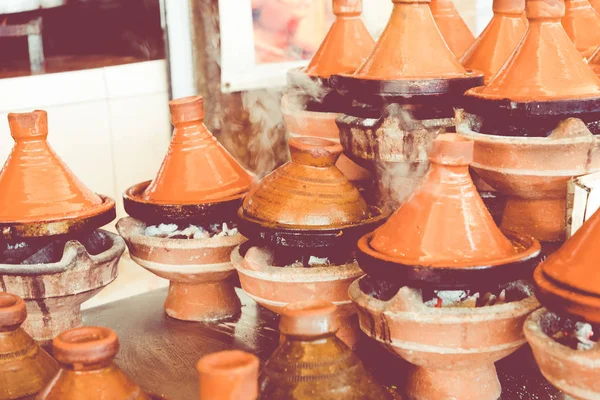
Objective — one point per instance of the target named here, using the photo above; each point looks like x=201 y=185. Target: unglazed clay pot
x=311 y=362
x=228 y=375
x=574 y=372
x=87 y=370
x=54 y=292
x=582 y=24
x=499 y=38
x=453 y=350
x=275 y=287
x=201 y=276
x=453 y=28
x=25 y=368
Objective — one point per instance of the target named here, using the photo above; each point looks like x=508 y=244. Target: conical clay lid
x=596 y=5
x=582 y=24
x=309 y=192
x=197 y=168
x=445 y=222
x=35 y=184
x=453 y=28
x=499 y=38
x=346 y=45
x=400 y=53
x=545 y=66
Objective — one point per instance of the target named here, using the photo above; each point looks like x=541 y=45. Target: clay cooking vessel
x=453 y=28
x=228 y=375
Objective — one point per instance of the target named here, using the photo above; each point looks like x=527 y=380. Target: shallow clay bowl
x=453 y=350
x=156 y=213
x=574 y=372
x=84 y=222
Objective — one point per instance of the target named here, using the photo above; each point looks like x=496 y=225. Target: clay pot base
x=541 y=219
x=85 y=222
x=198 y=214
x=201 y=276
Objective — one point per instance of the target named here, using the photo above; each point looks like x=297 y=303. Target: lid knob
x=12 y=311
x=411 y=1
x=86 y=346
x=347 y=7
x=309 y=318
x=516 y=7
x=545 y=9
x=314 y=152
x=451 y=149
x=28 y=126
x=187 y=109
x=231 y=374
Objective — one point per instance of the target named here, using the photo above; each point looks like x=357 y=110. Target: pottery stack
x=400 y=98
x=534 y=125
x=180 y=225
x=582 y=24
x=453 y=28
x=53 y=255
x=444 y=239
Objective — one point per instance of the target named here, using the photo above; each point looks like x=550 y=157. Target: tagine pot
x=274 y=287
x=453 y=28
x=582 y=24
x=201 y=276
x=54 y=292
x=25 y=368
x=453 y=350
x=228 y=375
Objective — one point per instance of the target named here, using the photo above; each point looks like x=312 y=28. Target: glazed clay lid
x=453 y=28
x=545 y=66
x=37 y=186
x=197 y=168
x=499 y=39
x=307 y=193
x=346 y=45
x=228 y=375
x=86 y=346
x=582 y=24
x=12 y=311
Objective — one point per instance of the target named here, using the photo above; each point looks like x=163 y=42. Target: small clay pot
x=54 y=292
x=453 y=28
x=201 y=276
x=228 y=375
x=574 y=372
x=275 y=287
x=25 y=367
x=87 y=370
x=453 y=350
x=582 y=24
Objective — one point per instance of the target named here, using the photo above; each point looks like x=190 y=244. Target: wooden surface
x=160 y=353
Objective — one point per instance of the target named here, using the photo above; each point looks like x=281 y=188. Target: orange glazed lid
x=197 y=168
x=410 y=48
x=228 y=375
x=582 y=24
x=346 y=45
x=499 y=39
x=35 y=184
x=453 y=28
x=545 y=66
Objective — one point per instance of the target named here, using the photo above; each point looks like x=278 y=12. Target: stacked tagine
x=582 y=24
x=302 y=222
x=52 y=253
x=453 y=28
x=564 y=337
x=310 y=107
x=446 y=289
x=181 y=224
x=534 y=125
x=400 y=98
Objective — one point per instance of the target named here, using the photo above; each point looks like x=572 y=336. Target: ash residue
x=175 y=231
x=571 y=332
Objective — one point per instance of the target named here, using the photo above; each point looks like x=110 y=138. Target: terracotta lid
x=336 y=55
x=309 y=192
x=453 y=28
x=545 y=66
x=12 y=311
x=36 y=185
x=582 y=24
x=594 y=61
x=197 y=168
x=499 y=39
x=309 y=318
x=228 y=375
x=596 y=5
x=86 y=346
x=399 y=54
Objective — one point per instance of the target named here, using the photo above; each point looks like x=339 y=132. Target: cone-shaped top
x=197 y=169
x=346 y=45
x=35 y=184
x=582 y=24
x=594 y=61
x=596 y=5
x=546 y=65
x=228 y=375
x=309 y=192
x=399 y=54
x=445 y=222
x=499 y=38
x=453 y=28
x=309 y=318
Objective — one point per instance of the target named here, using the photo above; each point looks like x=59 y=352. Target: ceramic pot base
x=204 y=301
x=45 y=325
x=542 y=219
